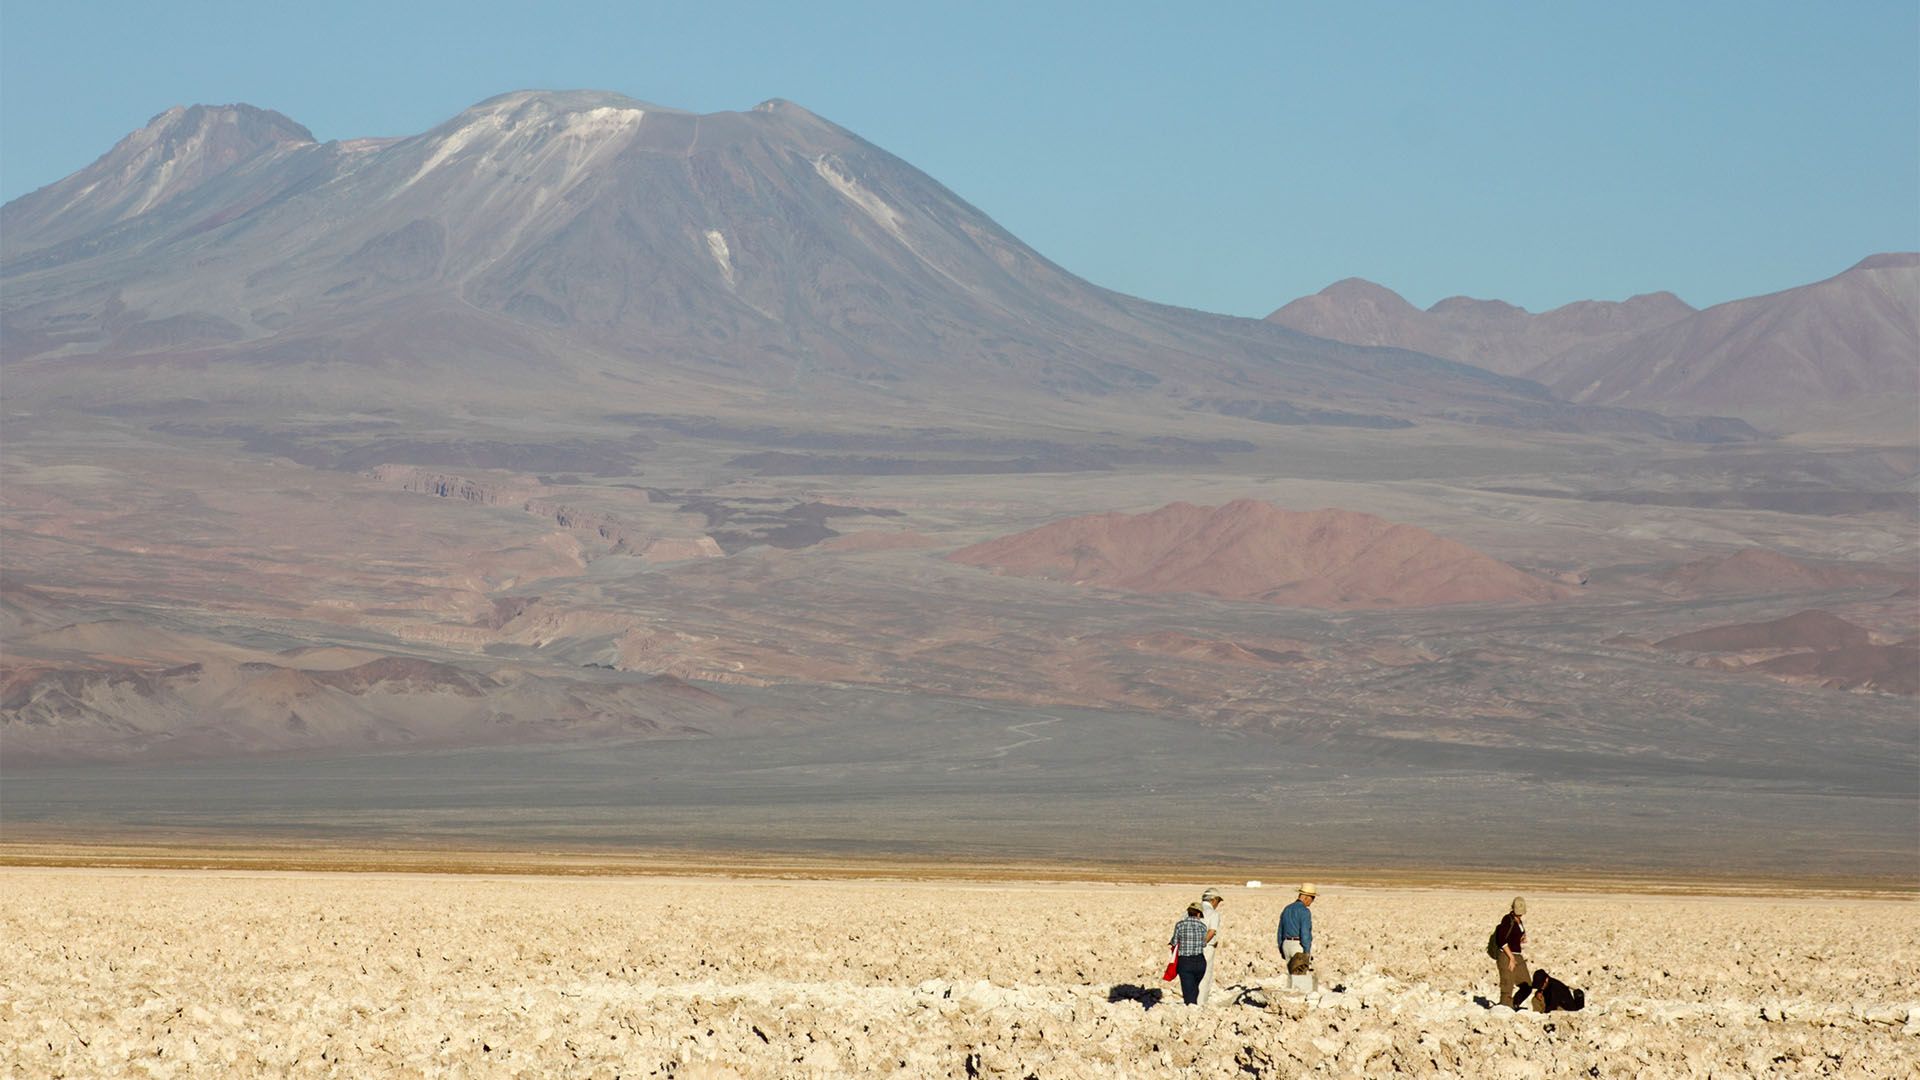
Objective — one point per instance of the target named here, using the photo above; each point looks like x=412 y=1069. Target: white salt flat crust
x=181 y=973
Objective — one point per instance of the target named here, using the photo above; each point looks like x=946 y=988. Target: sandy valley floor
x=217 y=974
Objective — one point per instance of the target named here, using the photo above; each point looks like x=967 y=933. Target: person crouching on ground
x=1296 y=925
x=1511 y=939
x=1550 y=994
x=1190 y=938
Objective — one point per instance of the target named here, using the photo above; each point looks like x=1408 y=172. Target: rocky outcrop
x=620 y=535
x=448 y=486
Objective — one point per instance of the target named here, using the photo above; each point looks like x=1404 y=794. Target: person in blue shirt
x=1296 y=925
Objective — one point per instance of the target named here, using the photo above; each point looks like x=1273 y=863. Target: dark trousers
x=1190 y=969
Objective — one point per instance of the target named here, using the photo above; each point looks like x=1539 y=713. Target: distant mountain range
x=1851 y=339
x=584 y=254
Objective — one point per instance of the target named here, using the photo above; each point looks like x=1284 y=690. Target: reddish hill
x=1807 y=630
x=1892 y=669
x=1755 y=570
x=1254 y=550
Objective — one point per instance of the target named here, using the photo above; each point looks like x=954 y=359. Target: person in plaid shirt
x=1190 y=939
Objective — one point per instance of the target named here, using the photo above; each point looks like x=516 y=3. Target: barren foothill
x=243 y=973
x=1250 y=549
x=113 y=588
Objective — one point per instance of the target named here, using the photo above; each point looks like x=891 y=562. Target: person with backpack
x=1296 y=925
x=1506 y=947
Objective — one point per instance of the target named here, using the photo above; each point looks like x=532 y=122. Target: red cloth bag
x=1173 y=962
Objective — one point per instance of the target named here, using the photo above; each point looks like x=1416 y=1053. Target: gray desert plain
x=598 y=481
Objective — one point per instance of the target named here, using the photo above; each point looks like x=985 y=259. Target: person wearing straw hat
x=1209 y=914
x=1296 y=925
x=1510 y=939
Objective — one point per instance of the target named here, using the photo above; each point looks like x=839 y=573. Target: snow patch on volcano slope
x=717 y=247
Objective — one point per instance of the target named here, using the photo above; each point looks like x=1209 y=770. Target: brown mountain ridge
x=1491 y=334
x=1850 y=340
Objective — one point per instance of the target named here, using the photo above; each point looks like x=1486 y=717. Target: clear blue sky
x=1224 y=156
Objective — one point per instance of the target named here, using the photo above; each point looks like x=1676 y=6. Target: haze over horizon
x=1228 y=160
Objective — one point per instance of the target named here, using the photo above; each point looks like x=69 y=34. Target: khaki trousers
x=1206 y=980
x=1513 y=973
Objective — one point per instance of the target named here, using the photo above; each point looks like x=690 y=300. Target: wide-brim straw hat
x=1308 y=890
x=1212 y=894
